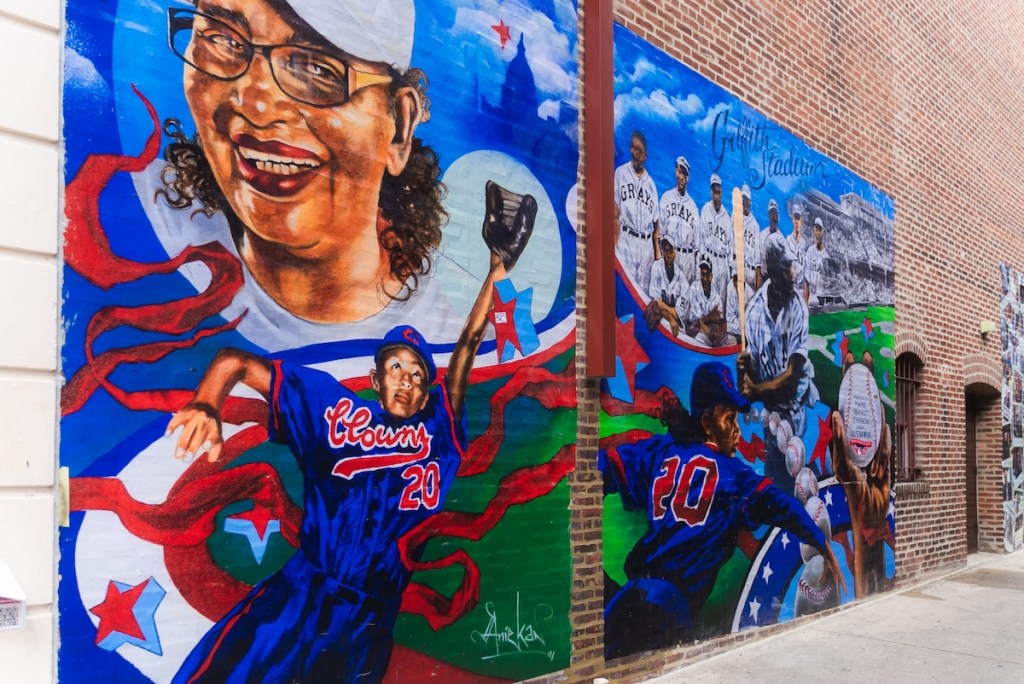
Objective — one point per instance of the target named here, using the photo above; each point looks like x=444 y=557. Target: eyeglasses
x=314 y=77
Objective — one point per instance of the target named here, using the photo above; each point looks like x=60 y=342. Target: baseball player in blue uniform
x=697 y=498
x=372 y=470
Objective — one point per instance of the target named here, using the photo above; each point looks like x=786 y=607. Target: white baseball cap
x=818 y=222
x=745 y=191
x=681 y=161
x=716 y=179
x=797 y=209
x=372 y=30
x=772 y=204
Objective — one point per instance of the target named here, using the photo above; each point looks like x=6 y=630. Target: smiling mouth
x=274 y=168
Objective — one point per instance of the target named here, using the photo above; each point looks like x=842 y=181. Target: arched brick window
x=908 y=382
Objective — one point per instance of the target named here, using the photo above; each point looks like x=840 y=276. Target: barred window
x=908 y=371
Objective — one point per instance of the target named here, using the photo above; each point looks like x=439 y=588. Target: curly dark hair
x=411 y=203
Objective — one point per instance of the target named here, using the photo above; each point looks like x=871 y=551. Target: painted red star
x=503 y=31
x=501 y=317
x=824 y=440
x=259 y=517
x=116 y=612
x=629 y=351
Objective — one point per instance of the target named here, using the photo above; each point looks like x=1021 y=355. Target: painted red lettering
x=696 y=491
x=663 y=485
x=689 y=495
x=423 y=489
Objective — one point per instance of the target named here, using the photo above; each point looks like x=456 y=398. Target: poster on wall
x=319 y=403
x=746 y=436
x=1011 y=327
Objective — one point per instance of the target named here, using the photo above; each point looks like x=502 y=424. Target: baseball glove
x=509 y=222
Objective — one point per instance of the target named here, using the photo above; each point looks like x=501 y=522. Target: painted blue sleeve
x=299 y=398
x=627 y=470
x=762 y=503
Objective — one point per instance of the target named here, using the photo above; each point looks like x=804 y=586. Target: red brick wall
x=924 y=102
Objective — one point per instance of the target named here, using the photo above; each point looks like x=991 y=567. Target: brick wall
x=29 y=183
x=921 y=101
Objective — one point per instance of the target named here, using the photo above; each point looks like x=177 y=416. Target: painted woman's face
x=301 y=176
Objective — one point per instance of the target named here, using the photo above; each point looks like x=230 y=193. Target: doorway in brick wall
x=981 y=458
x=971 y=463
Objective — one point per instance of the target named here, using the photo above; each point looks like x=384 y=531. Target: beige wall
x=29 y=228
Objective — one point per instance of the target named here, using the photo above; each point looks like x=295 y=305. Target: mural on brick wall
x=1011 y=326
x=319 y=401
x=746 y=437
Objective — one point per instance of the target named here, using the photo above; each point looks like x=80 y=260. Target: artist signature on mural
x=518 y=637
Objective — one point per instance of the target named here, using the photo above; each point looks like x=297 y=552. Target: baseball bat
x=741 y=290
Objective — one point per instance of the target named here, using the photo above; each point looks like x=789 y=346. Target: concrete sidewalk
x=964 y=627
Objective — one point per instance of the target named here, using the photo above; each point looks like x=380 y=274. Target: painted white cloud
x=549 y=109
x=703 y=125
x=80 y=73
x=641 y=69
x=548 y=50
x=657 y=103
x=689 y=105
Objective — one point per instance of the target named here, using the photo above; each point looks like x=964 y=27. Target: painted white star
x=828 y=497
x=755 y=606
x=767 y=572
x=785 y=539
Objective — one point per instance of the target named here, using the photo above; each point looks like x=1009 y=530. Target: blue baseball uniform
x=697 y=500
x=369 y=477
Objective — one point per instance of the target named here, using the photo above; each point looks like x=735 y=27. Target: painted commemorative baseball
x=815 y=591
x=794 y=455
x=783 y=434
x=815 y=508
x=773 y=422
x=806 y=485
x=754 y=414
x=765 y=416
x=860 y=405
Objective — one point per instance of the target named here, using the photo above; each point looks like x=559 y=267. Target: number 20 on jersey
x=685 y=492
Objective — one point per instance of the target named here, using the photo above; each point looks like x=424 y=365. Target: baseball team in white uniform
x=681 y=261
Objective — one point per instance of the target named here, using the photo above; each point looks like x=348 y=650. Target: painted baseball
x=860 y=405
x=783 y=434
x=815 y=508
x=806 y=485
x=795 y=455
x=815 y=591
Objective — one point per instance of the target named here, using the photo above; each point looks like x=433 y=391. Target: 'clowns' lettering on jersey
x=348 y=425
